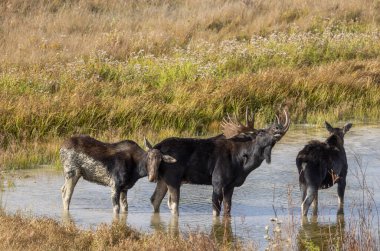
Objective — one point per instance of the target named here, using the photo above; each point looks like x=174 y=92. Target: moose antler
x=232 y=127
x=286 y=124
x=281 y=126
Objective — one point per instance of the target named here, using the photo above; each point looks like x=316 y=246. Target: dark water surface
x=270 y=191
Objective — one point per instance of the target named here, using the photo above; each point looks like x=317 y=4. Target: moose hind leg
x=303 y=189
x=315 y=204
x=124 y=201
x=158 y=195
x=341 y=189
x=68 y=189
x=310 y=195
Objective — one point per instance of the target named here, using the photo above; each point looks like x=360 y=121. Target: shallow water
x=270 y=191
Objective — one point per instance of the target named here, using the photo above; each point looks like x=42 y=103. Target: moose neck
x=252 y=154
x=336 y=141
x=141 y=159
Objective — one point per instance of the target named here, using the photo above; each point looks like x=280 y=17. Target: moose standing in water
x=321 y=165
x=223 y=162
x=118 y=165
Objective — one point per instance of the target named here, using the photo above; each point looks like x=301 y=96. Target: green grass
x=328 y=71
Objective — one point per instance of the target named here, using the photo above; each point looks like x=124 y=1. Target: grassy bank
x=25 y=233
x=119 y=70
x=35 y=122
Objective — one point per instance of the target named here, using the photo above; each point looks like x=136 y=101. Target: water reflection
x=158 y=224
x=120 y=218
x=67 y=218
x=222 y=230
x=321 y=236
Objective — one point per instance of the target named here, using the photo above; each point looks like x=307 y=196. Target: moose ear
x=168 y=159
x=147 y=144
x=347 y=127
x=329 y=127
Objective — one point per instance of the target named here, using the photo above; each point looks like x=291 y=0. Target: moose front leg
x=174 y=192
x=227 y=202
x=115 y=196
x=341 y=189
x=124 y=201
x=158 y=195
x=217 y=197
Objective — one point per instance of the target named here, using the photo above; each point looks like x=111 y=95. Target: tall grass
x=19 y=232
x=124 y=69
x=42 y=32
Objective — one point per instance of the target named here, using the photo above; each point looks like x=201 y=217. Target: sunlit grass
x=84 y=67
x=37 y=111
x=19 y=232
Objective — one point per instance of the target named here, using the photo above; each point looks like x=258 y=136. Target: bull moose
x=321 y=165
x=118 y=165
x=223 y=161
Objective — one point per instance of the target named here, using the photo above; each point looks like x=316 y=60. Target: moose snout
x=151 y=178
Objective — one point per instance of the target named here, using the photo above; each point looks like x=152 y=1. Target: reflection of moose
x=221 y=162
x=221 y=230
x=321 y=165
x=118 y=165
x=321 y=236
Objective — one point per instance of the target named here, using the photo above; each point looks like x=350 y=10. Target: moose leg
x=158 y=195
x=169 y=201
x=123 y=200
x=174 y=199
x=315 y=204
x=303 y=191
x=310 y=195
x=227 y=202
x=341 y=189
x=68 y=189
x=217 y=197
x=115 y=196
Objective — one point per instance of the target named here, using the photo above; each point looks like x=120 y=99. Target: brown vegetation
x=120 y=69
x=43 y=32
x=23 y=233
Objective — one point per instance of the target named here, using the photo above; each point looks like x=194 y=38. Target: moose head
x=154 y=158
x=265 y=138
x=339 y=132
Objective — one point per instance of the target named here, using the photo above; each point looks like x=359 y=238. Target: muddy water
x=270 y=191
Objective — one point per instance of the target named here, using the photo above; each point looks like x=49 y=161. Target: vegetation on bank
x=26 y=233
x=121 y=69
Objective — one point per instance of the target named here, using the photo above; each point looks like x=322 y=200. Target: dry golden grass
x=43 y=32
x=125 y=69
x=24 y=233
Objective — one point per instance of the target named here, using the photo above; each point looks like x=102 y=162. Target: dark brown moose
x=223 y=161
x=118 y=165
x=321 y=165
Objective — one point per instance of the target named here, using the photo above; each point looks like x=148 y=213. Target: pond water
x=271 y=191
